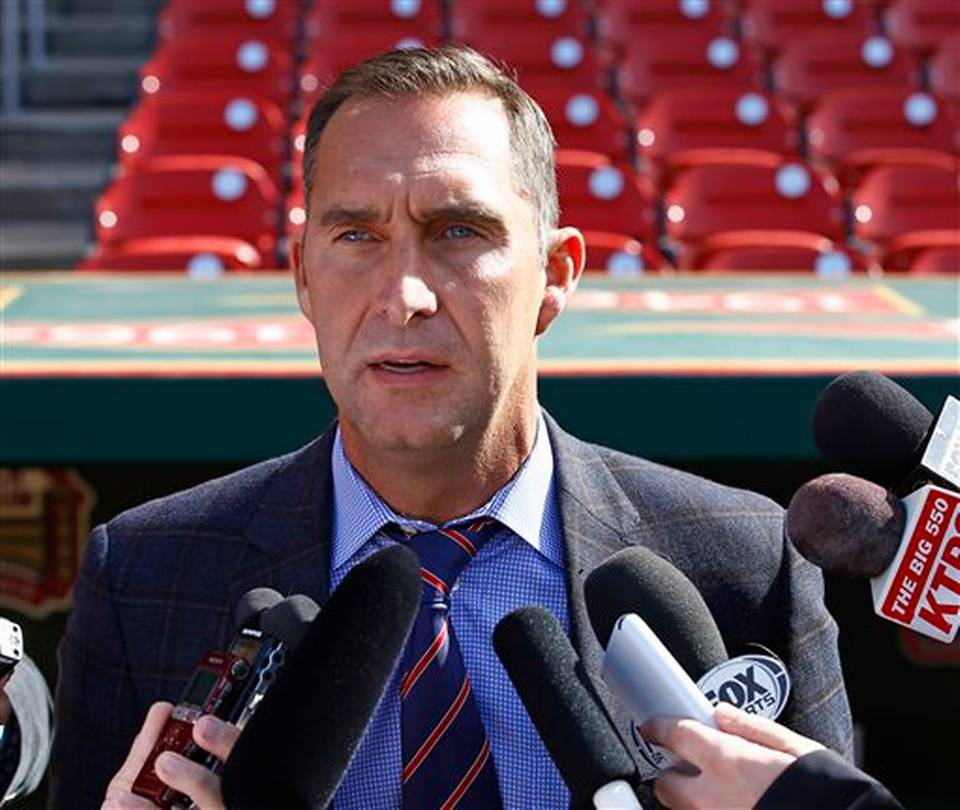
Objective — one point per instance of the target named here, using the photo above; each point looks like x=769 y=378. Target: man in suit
x=430 y=265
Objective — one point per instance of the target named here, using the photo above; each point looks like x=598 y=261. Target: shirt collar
x=520 y=505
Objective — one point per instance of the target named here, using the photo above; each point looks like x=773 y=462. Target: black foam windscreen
x=252 y=604
x=869 y=426
x=550 y=679
x=296 y=748
x=290 y=620
x=846 y=525
x=637 y=580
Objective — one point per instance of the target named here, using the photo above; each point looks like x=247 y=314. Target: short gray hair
x=441 y=71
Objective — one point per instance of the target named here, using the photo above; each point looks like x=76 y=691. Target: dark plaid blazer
x=159 y=584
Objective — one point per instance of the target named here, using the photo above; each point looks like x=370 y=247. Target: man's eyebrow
x=466 y=212
x=341 y=215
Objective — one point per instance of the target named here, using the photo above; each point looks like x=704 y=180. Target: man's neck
x=442 y=485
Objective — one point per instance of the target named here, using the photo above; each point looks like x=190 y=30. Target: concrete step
x=86 y=34
x=45 y=134
x=42 y=245
x=61 y=191
x=71 y=81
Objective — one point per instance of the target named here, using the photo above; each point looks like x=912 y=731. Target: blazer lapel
x=598 y=521
x=292 y=527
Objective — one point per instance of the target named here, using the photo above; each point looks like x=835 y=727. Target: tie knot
x=444 y=553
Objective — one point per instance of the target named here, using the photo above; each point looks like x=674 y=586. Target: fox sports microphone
x=660 y=637
x=871 y=427
x=910 y=549
x=227 y=684
x=567 y=713
x=296 y=749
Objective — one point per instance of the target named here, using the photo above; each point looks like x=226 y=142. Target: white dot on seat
x=792 y=181
x=203 y=266
x=566 y=52
x=582 y=110
x=752 y=109
x=252 y=56
x=405 y=9
x=694 y=9
x=622 y=263
x=240 y=114
x=833 y=264
x=228 y=184
x=606 y=183
x=837 y=9
x=877 y=52
x=920 y=109
x=551 y=8
x=260 y=9
x=723 y=53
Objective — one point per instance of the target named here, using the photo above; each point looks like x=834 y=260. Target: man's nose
x=407 y=291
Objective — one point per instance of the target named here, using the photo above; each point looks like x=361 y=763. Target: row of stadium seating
x=787 y=134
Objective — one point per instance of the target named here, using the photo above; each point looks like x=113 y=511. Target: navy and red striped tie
x=446 y=753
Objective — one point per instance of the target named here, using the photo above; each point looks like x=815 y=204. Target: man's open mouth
x=405 y=366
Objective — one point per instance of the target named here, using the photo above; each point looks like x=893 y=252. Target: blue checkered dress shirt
x=522 y=565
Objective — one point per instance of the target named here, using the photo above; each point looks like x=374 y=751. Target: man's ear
x=566 y=256
x=300 y=277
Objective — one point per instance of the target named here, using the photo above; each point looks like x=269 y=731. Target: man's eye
x=352 y=236
x=459 y=232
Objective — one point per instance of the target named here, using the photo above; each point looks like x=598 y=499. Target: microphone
x=295 y=750
x=567 y=713
x=637 y=580
x=27 y=734
x=871 y=427
x=909 y=548
x=659 y=637
x=288 y=622
x=846 y=525
x=228 y=684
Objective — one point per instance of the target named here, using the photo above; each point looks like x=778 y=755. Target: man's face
x=420 y=272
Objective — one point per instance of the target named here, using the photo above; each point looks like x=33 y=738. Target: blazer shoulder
x=669 y=491
x=225 y=505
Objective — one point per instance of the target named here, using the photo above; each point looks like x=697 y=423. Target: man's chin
x=395 y=434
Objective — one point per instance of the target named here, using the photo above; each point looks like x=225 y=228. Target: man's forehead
x=400 y=128
x=445 y=155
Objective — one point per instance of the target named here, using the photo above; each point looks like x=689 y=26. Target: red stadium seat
x=619 y=255
x=684 y=25
x=893 y=201
x=680 y=128
x=922 y=26
x=204 y=256
x=563 y=61
x=276 y=20
x=329 y=58
x=718 y=63
x=598 y=194
x=329 y=20
x=204 y=123
x=806 y=69
x=855 y=129
x=775 y=251
x=925 y=253
x=944 y=70
x=778 y=195
x=586 y=119
x=192 y=195
x=239 y=67
x=770 y=25
x=520 y=21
